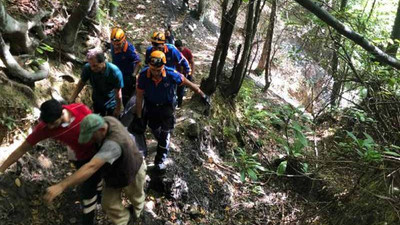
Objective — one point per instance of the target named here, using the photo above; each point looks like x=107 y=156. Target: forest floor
x=202 y=184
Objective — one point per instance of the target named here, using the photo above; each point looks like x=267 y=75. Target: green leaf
x=281 y=168
x=242 y=176
x=392 y=153
x=305 y=167
x=252 y=174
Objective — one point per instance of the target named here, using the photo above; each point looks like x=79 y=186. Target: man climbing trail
x=123 y=168
x=180 y=92
x=124 y=56
x=61 y=122
x=156 y=87
x=107 y=82
x=173 y=56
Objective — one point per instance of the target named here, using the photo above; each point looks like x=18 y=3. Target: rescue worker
x=106 y=81
x=156 y=87
x=173 y=56
x=180 y=92
x=123 y=168
x=61 y=123
x=124 y=56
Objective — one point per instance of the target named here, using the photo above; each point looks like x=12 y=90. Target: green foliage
x=366 y=148
x=7 y=121
x=248 y=165
x=43 y=47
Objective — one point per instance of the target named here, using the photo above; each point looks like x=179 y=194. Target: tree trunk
x=268 y=43
x=395 y=36
x=70 y=30
x=201 y=9
x=350 y=34
x=209 y=85
x=337 y=78
x=253 y=15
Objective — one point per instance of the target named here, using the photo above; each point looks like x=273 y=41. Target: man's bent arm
x=193 y=87
x=77 y=90
x=136 y=68
x=78 y=177
x=18 y=153
x=118 y=99
x=139 y=102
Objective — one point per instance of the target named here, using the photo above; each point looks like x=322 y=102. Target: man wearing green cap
x=123 y=167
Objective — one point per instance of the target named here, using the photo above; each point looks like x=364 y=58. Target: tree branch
x=325 y=16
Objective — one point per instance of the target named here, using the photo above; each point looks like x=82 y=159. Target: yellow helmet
x=158 y=37
x=117 y=35
x=157 y=59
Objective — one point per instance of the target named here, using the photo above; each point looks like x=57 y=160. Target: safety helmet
x=158 y=37
x=117 y=35
x=157 y=59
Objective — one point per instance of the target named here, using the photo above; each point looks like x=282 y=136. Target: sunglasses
x=157 y=62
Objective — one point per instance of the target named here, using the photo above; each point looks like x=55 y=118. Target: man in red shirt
x=61 y=123
x=180 y=92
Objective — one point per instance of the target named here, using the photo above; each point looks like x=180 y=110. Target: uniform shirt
x=188 y=55
x=126 y=60
x=159 y=91
x=103 y=85
x=68 y=135
x=174 y=57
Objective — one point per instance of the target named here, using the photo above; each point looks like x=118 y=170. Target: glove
x=206 y=100
x=138 y=126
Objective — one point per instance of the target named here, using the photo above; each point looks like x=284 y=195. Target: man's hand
x=206 y=99
x=117 y=112
x=52 y=192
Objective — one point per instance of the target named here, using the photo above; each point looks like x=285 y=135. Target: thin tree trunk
x=337 y=79
x=325 y=16
x=70 y=30
x=253 y=15
x=209 y=85
x=268 y=43
x=395 y=36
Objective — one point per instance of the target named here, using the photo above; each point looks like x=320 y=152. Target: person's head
x=96 y=60
x=93 y=128
x=169 y=27
x=117 y=38
x=51 y=113
x=158 y=40
x=179 y=45
x=167 y=33
x=157 y=62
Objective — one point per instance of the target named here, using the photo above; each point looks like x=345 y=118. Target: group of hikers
x=103 y=150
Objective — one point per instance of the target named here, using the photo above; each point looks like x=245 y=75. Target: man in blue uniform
x=106 y=81
x=172 y=54
x=126 y=58
x=156 y=87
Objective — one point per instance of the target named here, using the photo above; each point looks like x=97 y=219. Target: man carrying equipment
x=156 y=87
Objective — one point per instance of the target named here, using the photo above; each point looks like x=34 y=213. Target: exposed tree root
x=27 y=91
x=15 y=70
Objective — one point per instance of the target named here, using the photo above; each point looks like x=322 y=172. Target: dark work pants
x=161 y=120
x=102 y=111
x=90 y=194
